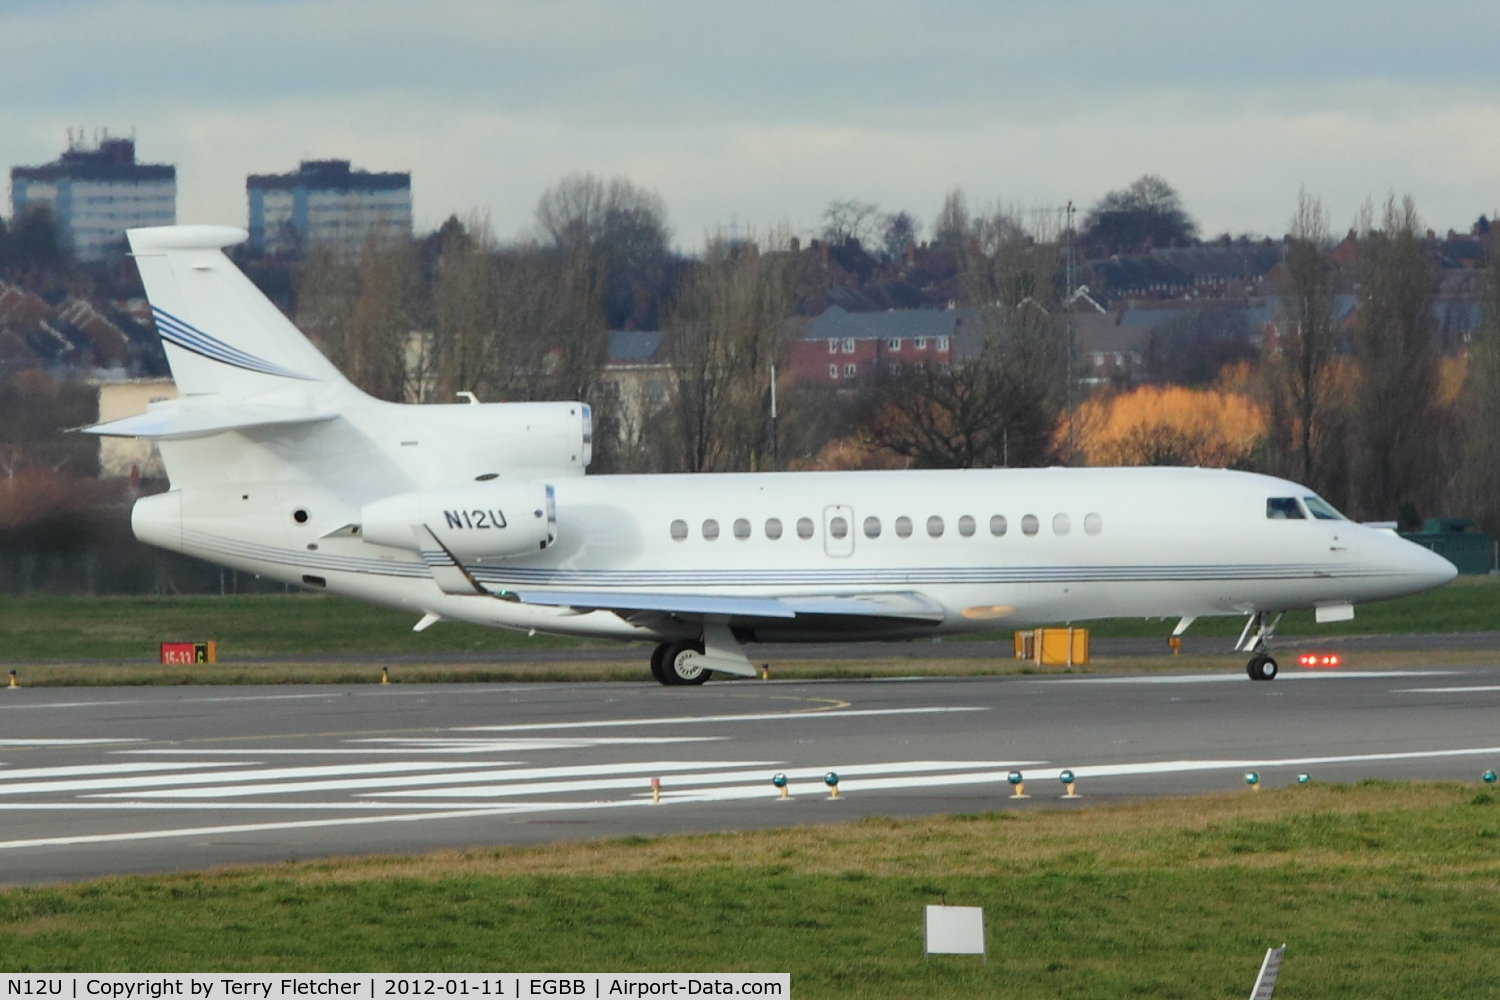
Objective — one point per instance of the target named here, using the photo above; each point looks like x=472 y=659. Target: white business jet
x=482 y=513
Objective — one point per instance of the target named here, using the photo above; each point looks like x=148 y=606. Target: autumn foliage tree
x=1169 y=425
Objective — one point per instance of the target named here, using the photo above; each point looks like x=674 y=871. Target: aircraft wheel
x=658 y=661
x=1261 y=668
x=678 y=672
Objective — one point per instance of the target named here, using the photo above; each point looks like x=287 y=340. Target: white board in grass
x=955 y=930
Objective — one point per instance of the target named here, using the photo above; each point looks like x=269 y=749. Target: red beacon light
x=1325 y=661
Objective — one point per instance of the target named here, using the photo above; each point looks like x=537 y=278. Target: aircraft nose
x=1431 y=568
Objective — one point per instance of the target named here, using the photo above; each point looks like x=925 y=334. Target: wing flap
x=176 y=423
x=909 y=606
x=689 y=604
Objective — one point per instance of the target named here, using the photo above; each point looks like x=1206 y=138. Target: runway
x=97 y=781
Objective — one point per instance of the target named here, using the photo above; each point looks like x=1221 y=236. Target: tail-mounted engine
x=473 y=523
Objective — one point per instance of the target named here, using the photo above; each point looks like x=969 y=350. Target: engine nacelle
x=493 y=521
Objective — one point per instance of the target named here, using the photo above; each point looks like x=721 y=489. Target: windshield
x=1284 y=509
x=1322 y=509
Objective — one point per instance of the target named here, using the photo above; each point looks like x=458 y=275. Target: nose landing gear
x=1262 y=667
x=671 y=664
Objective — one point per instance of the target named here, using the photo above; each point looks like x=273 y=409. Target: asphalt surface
x=99 y=781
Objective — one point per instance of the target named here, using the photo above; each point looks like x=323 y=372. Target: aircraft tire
x=1261 y=668
x=673 y=674
x=658 y=659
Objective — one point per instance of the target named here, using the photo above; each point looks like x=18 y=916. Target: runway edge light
x=1303 y=779
x=1488 y=776
x=1253 y=780
x=1018 y=785
x=1066 y=777
x=831 y=779
x=779 y=780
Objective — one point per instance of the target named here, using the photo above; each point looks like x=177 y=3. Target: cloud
x=765 y=113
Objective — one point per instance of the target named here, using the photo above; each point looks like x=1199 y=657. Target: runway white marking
x=147 y=781
x=67 y=743
x=1241 y=678
x=78 y=770
x=762 y=775
x=1451 y=690
x=860 y=778
x=683 y=720
x=449 y=777
x=465 y=747
x=33 y=705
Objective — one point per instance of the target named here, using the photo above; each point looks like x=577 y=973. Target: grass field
x=1379 y=890
x=315 y=626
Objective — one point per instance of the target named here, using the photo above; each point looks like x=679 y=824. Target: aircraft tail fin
x=222 y=336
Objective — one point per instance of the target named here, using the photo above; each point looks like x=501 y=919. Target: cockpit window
x=1284 y=509
x=1322 y=509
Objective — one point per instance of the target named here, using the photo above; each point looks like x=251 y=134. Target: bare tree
x=951 y=228
x=724 y=331
x=360 y=310
x=998 y=401
x=1148 y=213
x=1396 y=352
x=1479 y=404
x=1305 y=427
x=901 y=231
x=850 y=221
x=625 y=229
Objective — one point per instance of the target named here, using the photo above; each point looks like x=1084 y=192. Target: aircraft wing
x=172 y=423
x=896 y=605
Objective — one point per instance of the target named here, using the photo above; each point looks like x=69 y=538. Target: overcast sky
x=761 y=113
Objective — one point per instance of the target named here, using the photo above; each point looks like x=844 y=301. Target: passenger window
x=1284 y=509
x=998 y=525
x=872 y=527
x=1062 y=524
x=838 y=527
x=1093 y=523
x=903 y=527
x=773 y=528
x=710 y=529
x=966 y=526
x=741 y=528
x=804 y=527
x=935 y=527
x=1029 y=524
x=679 y=530
x=1322 y=509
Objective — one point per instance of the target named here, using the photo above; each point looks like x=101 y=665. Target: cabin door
x=838 y=531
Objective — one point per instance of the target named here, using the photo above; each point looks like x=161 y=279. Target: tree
x=852 y=222
x=625 y=228
x=950 y=230
x=1479 y=405
x=34 y=239
x=901 y=231
x=1395 y=350
x=996 y=402
x=1169 y=425
x=724 y=330
x=361 y=310
x=1298 y=358
x=1147 y=214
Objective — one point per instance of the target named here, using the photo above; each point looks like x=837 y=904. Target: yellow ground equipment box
x=1054 y=647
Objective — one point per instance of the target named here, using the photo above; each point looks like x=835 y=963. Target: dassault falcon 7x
x=482 y=513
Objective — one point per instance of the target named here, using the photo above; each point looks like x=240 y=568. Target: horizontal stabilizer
x=175 y=423
x=687 y=604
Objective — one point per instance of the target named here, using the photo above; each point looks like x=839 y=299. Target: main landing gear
x=1262 y=667
x=671 y=665
x=716 y=651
